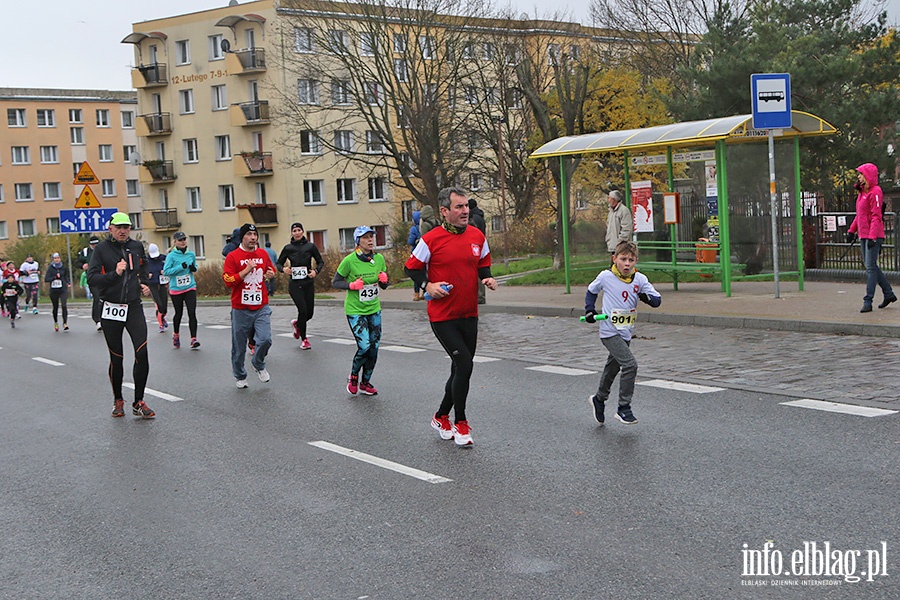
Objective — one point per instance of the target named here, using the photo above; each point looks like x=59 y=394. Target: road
x=238 y=493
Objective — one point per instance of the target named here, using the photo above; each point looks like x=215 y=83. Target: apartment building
x=48 y=134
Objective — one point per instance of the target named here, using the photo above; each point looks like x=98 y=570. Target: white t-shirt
x=620 y=301
x=29 y=272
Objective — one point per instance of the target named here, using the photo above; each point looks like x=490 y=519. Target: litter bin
x=706 y=256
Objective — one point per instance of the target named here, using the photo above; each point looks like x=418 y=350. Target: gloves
x=382 y=277
x=851 y=237
x=589 y=316
x=184 y=265
x=644 y=298
x=193 y=268
x=356 y=285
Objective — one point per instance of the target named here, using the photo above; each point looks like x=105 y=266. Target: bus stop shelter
x=737 y=187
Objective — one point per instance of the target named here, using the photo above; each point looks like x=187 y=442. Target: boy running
x=11 y=291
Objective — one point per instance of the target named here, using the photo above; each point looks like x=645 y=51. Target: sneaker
x=34 y=310
x=56 y=327
x=263 y=375
x=353 y=384
x=368 y=389
x=625 y=415
x=443 y=427
x=165 y=323
x=99 y=326
x=305 y=345
x=12 y=324
x=462 y=433
x=118 y=408
x=242 y=383
x=598 y=405
x=194 y=344
x=162 y=329
x=295 y=328
x=888 y=300
x=140 y=409
x=65 y=326
x=176 y=341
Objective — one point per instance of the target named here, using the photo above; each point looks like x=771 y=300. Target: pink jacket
x=869 y=222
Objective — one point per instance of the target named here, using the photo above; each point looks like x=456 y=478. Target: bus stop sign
x=770 y=95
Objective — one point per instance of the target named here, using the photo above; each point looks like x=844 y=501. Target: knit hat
x=297 y=225
x=245 y=228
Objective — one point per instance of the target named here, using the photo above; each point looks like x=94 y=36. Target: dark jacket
x=102 y=276
x=233 y=242
x=300 y=254
x=414 y=234
x=155 y=267
x=60 y=272
x=10 y=286
x=428 y=220
x=476 y=218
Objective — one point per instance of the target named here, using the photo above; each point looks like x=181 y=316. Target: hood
x=416 y=215
x=427 y=212
x=870 y=172
x=56 y=266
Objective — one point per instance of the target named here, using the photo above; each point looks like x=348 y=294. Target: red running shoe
x=368 y=389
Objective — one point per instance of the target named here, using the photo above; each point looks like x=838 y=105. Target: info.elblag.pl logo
x=812 y=564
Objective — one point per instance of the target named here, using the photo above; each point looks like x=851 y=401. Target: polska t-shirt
x=249 y=293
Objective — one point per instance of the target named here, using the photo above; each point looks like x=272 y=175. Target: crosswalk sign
x=85 y=176
x=87 y=199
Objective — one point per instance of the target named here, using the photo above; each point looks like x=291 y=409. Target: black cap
x=245 y=228
x=94 y=240
x=179 y=235
x=472 y=203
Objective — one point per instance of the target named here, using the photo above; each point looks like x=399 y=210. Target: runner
x=296 y=261
x=245 y=270
x=58 y=277
x=11 y=290
x=361 y=274
x=159 y=285
x=117 y=274
x=456 y=255
x=96 y=304
x=181 y=264
x=9 y=268
x=30 y=278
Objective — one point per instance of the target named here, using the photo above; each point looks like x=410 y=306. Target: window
x=76 y=166
x=340 y=92
x=127 y=152
x=127 y=119
x=343 y=141
x=215 y=47
x=553 y=53
x=15 y=117
x=137 y=222
x=474 y=181
x=223 y=147
x=197 y=246
x=75 y=115
x=106 y=153
x=512 y=54
x=27 y=228
x=183 y=52
x=108 y=187
x=102 y=117
x=575 y=51
x=52 y=224
x=473 y=140
x=346 y=191
x=347 y=242
x=219 y=97
x=303 y=39
x=471 y=94
x=4 y=231
x=193 y=199
x=312 y=191
x=186 y=100
x=2 y=198
x=307 y=91
x=77 y=135
x=488 y=50
x=338 y=41
x=374 y=145
x=468 y=52
x=402 y=117
x=226 y=197
x=191 y=154
x=49 y=155
x=381 y=235
x=260 y=193
x=310 y=142
x=319 y=238
x=426 y=45
x=399 y=43
x=52 y=191
x=373 y=93
x=400 y=70
x=513 y=98
x=406 y=210
x=24 y=193
x=496 y=224
x=405 y=163
x=429 y=93
x=21 y=155
x=367 y=43
x=377 y=189
x=491 y=95
x=46 y=117
x=132 y=188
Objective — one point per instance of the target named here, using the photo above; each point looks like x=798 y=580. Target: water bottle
x=446 y=287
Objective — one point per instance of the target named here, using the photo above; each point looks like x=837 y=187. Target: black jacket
x=60 y=272
x=476 y=218
x=102 y=276
x=300 y=254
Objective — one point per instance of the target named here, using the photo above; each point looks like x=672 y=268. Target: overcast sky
x=65 y=44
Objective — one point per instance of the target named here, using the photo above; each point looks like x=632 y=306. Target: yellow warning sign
x=87 y=199
x=85 y=176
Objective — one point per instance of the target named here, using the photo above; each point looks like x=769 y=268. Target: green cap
x=120 y=218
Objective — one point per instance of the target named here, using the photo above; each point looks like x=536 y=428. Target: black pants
x=304 y=297
x=179 y=301
x=137 y=330
x=459 y=338
x=96 y=308
x=160 y=293
x=57 y=296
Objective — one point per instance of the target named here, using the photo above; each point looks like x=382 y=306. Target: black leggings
x=57 y=296
x=137 y=330
x=458 y=337
x=160 y=293
x=178 y=302
x=304 y=297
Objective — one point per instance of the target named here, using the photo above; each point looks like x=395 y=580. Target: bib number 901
x=622 y=319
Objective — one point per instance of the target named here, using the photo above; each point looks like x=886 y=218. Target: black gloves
x=644 y=298
x=194 y=268
x=851 y=237
x=589 y=316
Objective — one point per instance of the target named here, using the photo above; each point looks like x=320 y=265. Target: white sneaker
x=462 y=433
x=241 y=383
x=99 y=326
x=263 y=375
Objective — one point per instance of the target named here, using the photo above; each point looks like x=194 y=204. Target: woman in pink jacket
x=869 y=227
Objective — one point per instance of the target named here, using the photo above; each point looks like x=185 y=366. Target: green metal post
x=564 y=208
x=798 y=209
x=724 y=229
x=673 y=228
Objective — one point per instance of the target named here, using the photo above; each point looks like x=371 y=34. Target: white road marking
x=341 y=341
x=561 y=370
x=680 y=387
x=47 y=361
x=483 y=359
x=402 y=349
x=218 y=326
x=380 y=462
x=162 y=395
x=285 y=335
x=850 y=409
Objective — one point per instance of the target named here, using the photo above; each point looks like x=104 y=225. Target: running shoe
x=118 y=408
x=462 y=433
x=194 y=344
x=12 y=323
x=162 y=329
x=65 y=326
x=305 y=345
x=34 y=310
x=353 y=384
x=295 y=328
x=56 y=327
x=367 y=388
x=263 y=375
x=242 y=383
x=625 y=415
x=598 y=405
x=140 y=409
x=443 y=427
x=165 y=323
x=99 y=326
x=176 y=341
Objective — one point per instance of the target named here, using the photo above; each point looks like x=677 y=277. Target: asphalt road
x=224 y=495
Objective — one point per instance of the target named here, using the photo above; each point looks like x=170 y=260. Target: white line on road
x=481 y=359
x=680 y=387
x=218 y=326
x=561 y=370
x=341 y=341
x=850 y=409
x=402 y=349
x=380 y=462
x=47 y=361
x=162 y=395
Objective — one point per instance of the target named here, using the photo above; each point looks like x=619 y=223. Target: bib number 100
x=114 y=312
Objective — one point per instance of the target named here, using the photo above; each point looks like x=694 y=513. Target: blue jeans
x=242 y=323
x=874 y=275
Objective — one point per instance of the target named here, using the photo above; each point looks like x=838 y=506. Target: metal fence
x=832 y=252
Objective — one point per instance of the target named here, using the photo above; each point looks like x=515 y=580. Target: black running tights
x=179 y=301
x=304 y=297
x=459 y=338
x=137 y=330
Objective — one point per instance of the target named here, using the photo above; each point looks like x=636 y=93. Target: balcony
x=153 y=125
x=249 y=114
x=263 y=215
x=148 y=76
x=253 y=164
x=157 y=171
x=248 y=60
x=166 y=219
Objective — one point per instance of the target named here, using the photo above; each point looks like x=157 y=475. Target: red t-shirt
x=249 y=293
x=454 y=258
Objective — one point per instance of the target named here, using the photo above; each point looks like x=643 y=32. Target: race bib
x=368 y=293
x=623 y=318
x=182 y=280
x=251 y=297
x=56 y=283
x=299 y=272
x=10 y=292
x=114 y=312
x=163 y=279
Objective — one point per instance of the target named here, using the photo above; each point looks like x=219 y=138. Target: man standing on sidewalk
x=619 y=226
